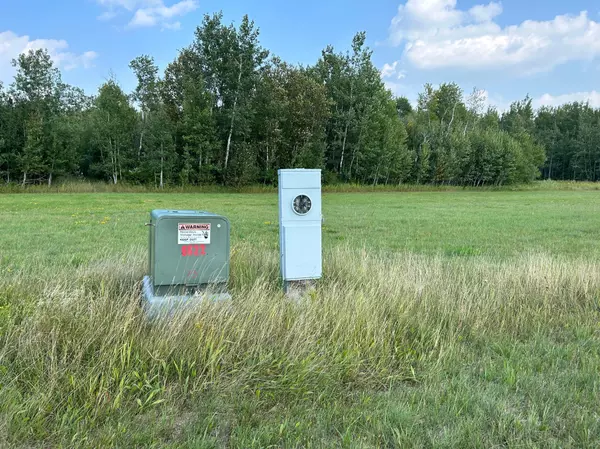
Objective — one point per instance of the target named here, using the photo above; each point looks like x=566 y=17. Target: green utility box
x=188 y=254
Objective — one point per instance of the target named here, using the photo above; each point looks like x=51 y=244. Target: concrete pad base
x=157 y=306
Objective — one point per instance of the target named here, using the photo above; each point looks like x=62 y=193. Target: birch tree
x=36 y=90
x=231 y=60
x=113 y=125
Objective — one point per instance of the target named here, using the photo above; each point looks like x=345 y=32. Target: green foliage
x=456 y=143
x=31 y=159
x=364 y=136
x=570 y=133
x=112 y=124
x=403 y=107
x=225 y=113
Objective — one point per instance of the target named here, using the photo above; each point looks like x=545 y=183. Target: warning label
x=193 y=233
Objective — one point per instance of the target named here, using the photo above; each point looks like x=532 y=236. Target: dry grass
x=84 y=186
x=77 y=355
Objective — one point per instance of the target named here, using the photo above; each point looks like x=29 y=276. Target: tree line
x=225 y=111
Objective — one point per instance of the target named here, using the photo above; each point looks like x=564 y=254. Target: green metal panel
x=188 y=248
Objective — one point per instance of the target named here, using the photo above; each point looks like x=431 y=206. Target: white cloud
x=593 y=98
x=438 y=35
x=389 y=69
x=162 y=14
x=502 y=104
x=149 y=13
x=485 y=13
x=392 y=70
x=11 y=45
x=70 y=61
x=423 y=14
x=143 y=19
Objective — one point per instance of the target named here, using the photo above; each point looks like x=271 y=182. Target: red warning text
x=193 y=250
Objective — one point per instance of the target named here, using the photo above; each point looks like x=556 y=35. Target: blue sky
x=549 y=49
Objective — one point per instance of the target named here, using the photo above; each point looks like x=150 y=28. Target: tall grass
x=102 y=187
x=76 y=350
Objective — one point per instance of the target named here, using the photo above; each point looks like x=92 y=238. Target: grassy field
x=445 y=319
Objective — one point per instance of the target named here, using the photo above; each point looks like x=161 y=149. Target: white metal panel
x=300 y=235
x=301 y=256
x=300 y=178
